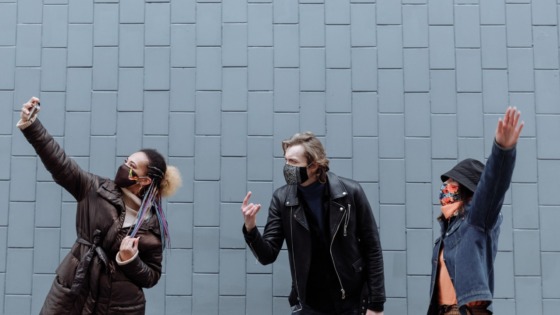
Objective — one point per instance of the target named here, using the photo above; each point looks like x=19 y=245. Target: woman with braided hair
x=120 y=225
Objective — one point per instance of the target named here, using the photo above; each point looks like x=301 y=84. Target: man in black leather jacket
x=333 y=243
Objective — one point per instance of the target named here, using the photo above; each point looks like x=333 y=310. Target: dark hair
x=157 y=166
x=464 y=193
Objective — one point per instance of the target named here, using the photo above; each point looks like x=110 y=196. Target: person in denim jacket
x=471 y=199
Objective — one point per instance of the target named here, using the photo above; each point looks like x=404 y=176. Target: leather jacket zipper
x=342 y=291
x=292 y=217
x=347 y=220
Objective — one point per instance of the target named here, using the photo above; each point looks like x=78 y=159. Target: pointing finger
x=246 y=199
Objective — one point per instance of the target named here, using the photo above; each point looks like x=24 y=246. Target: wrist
x=122 y=256
x=121 y=261
x=502 y=147
x=22 y=124
x=249 y=227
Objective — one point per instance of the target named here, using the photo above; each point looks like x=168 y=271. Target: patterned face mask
x=448 y=193
x=295 y=174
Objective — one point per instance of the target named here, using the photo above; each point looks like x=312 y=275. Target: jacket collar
x=337 y=190
x=452 y=224
x=109 y=191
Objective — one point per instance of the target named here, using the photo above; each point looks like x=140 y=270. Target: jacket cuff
x=375 y=306
x=502 y=148
x=250 y=235
x=22 y=125
x=122 y=263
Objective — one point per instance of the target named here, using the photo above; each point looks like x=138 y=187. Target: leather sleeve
x=371 y=249
x=64 y=170
x=266 y=246
x=145 y=269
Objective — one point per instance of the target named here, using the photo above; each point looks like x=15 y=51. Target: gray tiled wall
x=398 y=91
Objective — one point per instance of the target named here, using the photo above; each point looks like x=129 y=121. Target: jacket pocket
x=358 y=266
x=453 y=235
x=126 y=296
x=66 y=271
x=58 y=300
x=452 y=238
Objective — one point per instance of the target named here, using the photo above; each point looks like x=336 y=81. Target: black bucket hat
x=467 y=173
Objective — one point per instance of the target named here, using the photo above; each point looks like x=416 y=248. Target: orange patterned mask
x=449 y=193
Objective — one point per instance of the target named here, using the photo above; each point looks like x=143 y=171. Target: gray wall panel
x=397 y=91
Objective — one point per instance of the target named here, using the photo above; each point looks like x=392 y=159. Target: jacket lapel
x=292 y=201
x=336 y=216
x=337 y=203
x=109 y=191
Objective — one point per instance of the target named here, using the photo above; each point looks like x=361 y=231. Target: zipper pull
x=343 y=294
x=347 y=220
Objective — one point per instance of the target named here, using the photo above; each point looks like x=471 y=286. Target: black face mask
x=295 y=174
x=121 y=178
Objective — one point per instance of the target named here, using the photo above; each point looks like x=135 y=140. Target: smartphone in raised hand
x=34 y=109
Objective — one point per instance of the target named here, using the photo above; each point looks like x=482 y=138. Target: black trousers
x=306 y=310
x=465 y=310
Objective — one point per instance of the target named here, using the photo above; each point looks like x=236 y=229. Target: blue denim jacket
x=470 y=239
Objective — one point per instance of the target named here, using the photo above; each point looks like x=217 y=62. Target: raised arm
x=265 y=247
x=65 y=171
x=496 y=178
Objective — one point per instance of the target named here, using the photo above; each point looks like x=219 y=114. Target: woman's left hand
x=370 y=312
x=129 y=248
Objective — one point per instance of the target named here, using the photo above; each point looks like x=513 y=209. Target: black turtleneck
x=322 y=286
x=313 y=197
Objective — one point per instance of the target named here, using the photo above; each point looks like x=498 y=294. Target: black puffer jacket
x=355 y=246
x=89 y=280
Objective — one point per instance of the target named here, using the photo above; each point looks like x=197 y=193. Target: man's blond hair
x=314 y=152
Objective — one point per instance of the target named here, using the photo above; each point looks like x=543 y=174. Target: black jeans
x=465 y=310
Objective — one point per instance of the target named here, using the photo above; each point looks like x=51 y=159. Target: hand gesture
x=27 y=109
x=249 y=211
x=508 y=129
x=129 y=247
